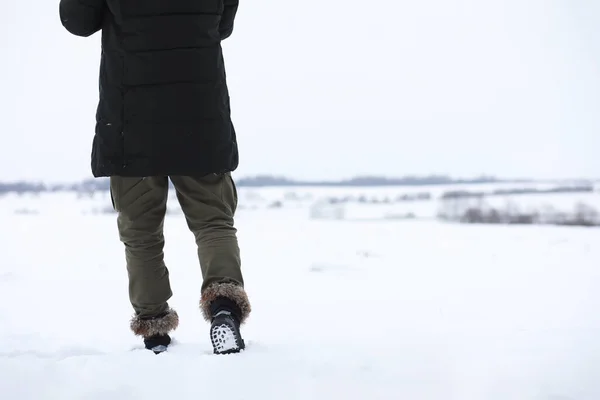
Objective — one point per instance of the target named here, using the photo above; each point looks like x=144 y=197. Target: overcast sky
x=332 y=89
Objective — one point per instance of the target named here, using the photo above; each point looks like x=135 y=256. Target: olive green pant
x=208 y=204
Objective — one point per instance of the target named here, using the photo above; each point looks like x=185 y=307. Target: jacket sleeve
x=82 y=17
x=227 y=19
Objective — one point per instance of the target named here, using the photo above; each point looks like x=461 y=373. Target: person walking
x=164 y=114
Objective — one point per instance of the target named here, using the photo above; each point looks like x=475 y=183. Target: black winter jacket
x=164 y=102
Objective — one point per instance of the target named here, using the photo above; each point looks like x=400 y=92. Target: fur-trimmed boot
x=226 y=307
x=155 y=330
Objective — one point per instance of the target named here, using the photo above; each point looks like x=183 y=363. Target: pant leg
x=141 y=205
x=209 y=204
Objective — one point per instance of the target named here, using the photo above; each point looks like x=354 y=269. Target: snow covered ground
x=342 y=309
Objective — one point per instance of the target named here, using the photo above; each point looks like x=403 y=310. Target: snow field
x=341 y=309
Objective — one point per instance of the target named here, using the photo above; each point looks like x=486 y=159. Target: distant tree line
x=37 y=187
x=268 y=180
x=458 y=194
x=453 y=195
x=581 y=215
x=102 y=184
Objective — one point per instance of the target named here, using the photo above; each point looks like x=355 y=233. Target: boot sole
x=226 y=340
x=158 y=349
